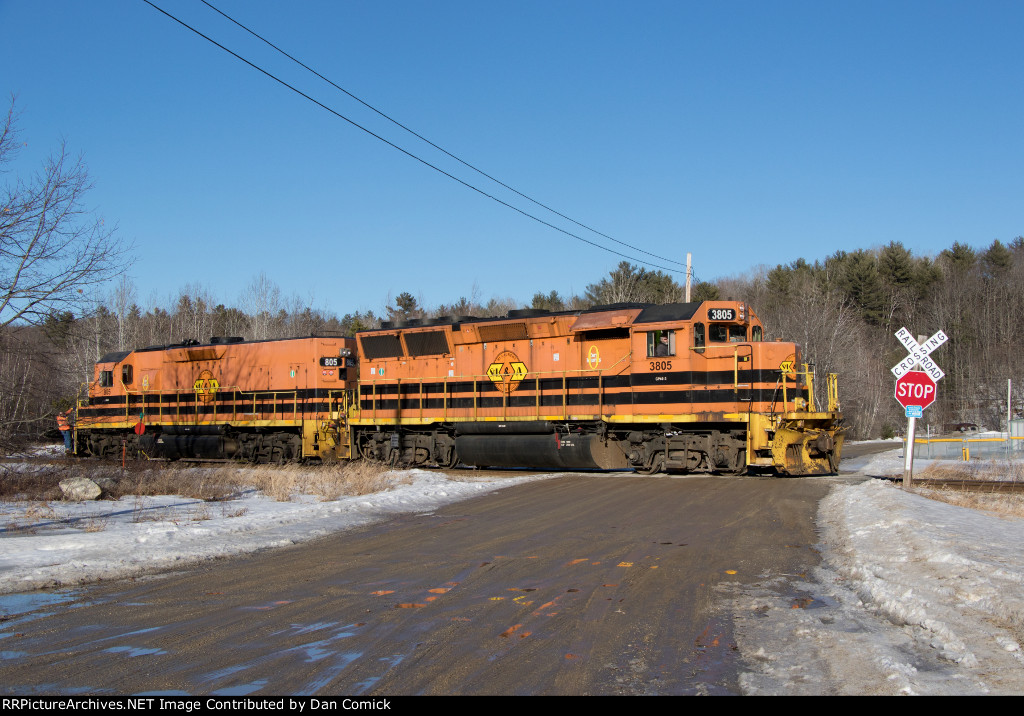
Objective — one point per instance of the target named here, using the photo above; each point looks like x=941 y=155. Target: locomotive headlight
x=345 y=352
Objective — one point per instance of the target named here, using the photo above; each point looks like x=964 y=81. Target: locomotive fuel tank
x=536 y=443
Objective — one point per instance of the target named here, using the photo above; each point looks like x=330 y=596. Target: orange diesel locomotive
x=680 y=387
x=260 y=401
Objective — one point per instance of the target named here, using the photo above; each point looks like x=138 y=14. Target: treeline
x=843 y=311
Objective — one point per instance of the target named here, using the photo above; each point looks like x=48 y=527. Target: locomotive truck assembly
x=686 y=387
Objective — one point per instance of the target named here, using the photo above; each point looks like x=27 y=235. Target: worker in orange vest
x=64 y=421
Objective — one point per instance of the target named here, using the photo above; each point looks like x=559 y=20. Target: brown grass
x=217 y=483
x=1006 y=504
x=38 y=483
x=326 y=482
x=95 y=524
x=1012 y=471
x=28 y=522
x=1001 y=503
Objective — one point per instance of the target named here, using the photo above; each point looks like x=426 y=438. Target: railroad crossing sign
x=915 y=388
x=919 y=354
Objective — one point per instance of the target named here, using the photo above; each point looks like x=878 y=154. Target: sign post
x=916 y=389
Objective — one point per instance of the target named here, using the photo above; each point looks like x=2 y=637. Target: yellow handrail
x=833 y=393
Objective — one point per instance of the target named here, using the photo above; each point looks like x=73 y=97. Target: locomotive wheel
x=452 y=461
x=653 y=468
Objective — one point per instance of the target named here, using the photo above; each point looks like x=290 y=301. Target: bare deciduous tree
x=262 y=301
x=53 y=251
x=123 y=305
x=54 y=257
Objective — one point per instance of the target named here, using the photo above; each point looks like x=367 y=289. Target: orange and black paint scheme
x=260 y=401
x=690 y=387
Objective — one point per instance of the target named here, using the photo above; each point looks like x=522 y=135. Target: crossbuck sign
x=918 y=385
x=919 y=354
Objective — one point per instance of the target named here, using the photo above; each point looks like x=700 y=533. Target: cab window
x=755 y=334
x=726 y=333
x=698 y=337
x=126 y=374
x=661 y=343
x=106 y=378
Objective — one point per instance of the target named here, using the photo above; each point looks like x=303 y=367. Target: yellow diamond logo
x=205 y=386
x=507 y=371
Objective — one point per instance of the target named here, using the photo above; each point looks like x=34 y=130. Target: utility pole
x=688 y=275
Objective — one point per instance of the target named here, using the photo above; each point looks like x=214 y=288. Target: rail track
x=993 y=486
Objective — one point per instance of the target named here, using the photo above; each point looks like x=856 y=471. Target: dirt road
x=596 y=584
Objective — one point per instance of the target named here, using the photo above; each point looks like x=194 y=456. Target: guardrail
x=964 y=448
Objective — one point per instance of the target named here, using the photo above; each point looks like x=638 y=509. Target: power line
x=405 y=151
x=435 y=146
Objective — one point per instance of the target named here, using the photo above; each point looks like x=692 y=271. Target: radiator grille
x=503 y=332
x=386 y=346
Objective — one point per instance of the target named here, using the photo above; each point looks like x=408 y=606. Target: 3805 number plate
x=721 y=314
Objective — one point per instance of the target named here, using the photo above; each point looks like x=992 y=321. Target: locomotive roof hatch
x=605 y=319
x=115 y=357
x=668 y=312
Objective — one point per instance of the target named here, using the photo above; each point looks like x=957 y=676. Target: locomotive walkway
x=584 y=584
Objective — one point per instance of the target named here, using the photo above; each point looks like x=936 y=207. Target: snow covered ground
x=60 y=544
x=912 y=596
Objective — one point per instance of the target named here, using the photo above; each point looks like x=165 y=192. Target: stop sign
x=915 y=387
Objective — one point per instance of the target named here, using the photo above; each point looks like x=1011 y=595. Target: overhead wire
x=405 y=151
x=432 y=144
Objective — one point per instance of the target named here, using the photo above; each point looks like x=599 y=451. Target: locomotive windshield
x=726 y=333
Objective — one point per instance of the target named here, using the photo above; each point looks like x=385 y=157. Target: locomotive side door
x=661 y=369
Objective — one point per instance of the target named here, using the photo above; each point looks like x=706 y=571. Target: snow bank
x=64 y=543
x=912 y=596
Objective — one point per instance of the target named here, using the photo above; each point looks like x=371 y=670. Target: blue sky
x=744 y=132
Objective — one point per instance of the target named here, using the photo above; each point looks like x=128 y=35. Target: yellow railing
x=953 y=447
x=808 y=375
x=533 y=376
x=599 y=373
x=832 y=381
x=248 y=403
x=833 y=393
